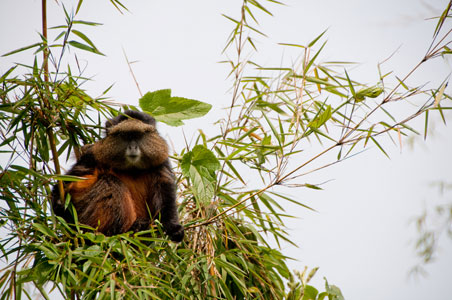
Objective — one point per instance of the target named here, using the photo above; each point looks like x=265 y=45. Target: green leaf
x=86 y=23
x=371 y=92
x=312 y=186
x=379 y=147
x=306 y=68
x=350 y=84
x=79 y=5
x=5 y=76
x=441 y=20
x=172 y=110
x=402 y=83
x=426 y=125
x=321 y=119
x=318 y=81
x=84 y=37
x=84 y=47
x=22 y=49
x=333 y=291
x=316 y=39
x=44 y=229
x=200 y=165
x=309 y=293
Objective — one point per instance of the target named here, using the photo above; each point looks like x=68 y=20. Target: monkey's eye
x=132 y=135
x=123 y=135
x=116 y=134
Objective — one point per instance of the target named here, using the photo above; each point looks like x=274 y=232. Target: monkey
x=128 y=180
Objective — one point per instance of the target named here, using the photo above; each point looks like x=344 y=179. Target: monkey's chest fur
x=113 y=201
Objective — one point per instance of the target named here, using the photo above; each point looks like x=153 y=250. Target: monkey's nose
x=133 y=151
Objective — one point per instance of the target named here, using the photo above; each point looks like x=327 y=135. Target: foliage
x=172 y=110
x=432 y=225
x=302 y=290
x=231 y=186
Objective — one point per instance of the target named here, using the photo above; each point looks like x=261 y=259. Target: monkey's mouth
x=133 y=159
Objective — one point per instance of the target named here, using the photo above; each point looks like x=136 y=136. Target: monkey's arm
x=85 y=165
x=166 y=196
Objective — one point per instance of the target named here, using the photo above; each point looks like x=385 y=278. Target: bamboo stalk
x=49 y=130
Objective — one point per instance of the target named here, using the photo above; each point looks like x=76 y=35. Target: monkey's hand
x=176 y=233
x=140 y=224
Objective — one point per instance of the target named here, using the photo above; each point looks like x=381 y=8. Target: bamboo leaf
x=6 y=74
x=426 y=125
x=321 y=119
x=379 y=147
x=350 y=85
x=84 y=47
x=86 y=23
x=79 y=5
x=439 y=94
x=84 y=37
x=312 y=43
x=308 y=66
x=23 y=49
x=371 y=92
x=273 y=129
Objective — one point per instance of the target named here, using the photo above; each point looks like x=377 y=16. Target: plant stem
x=44 y=33
x=49 y=130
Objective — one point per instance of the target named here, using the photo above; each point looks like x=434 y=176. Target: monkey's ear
x=86 y=148
x=114 y=121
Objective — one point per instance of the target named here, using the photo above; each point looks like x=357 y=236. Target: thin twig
x=131 y=72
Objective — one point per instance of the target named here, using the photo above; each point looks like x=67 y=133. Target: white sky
x=361 y=237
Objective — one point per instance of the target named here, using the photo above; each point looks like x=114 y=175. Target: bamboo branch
x=49 y=130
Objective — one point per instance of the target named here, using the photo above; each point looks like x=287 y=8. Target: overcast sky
x=361 y=237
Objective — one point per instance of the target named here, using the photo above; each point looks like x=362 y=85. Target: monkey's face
x=133 y=153
x=131 y=144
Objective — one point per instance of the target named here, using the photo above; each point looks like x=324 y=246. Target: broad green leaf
x=322 y=295
x=200 y=165
x=309 y=293
x=333 y=291
x=172 y=110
